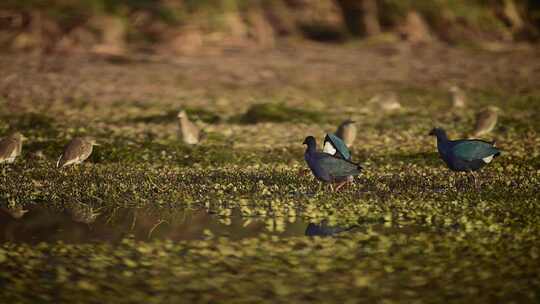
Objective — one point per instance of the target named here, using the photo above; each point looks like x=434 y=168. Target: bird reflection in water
x=323 y=229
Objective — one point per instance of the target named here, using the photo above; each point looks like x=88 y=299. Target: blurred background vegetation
x=193 y=26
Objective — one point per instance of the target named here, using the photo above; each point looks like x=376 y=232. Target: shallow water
x=48 y=225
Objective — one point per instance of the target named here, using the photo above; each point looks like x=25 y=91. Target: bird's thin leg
x=340 y=185
x=320 y=187
x=467 y=177
x=474 y=179
x=331 y=183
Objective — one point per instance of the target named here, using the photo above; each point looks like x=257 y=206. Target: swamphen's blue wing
x=470 y=150
x=334 y=145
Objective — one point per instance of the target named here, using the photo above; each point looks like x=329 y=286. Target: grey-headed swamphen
x=465 y=155
x=329 y=168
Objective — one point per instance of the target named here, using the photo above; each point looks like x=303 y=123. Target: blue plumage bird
x=329 y=168
x=464 y=155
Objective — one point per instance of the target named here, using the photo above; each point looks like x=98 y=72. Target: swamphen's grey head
x=439 y=132
x=310 y=141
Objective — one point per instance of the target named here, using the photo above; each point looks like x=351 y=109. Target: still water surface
x=48 y=225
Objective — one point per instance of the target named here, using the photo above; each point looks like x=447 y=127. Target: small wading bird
x=458 y=97
x=330 y=168
x=466 y=155
x=76 y=151
x=189 y=132
x=11 y=147
x=485 y=121
x=347 y=132
x=388 y=101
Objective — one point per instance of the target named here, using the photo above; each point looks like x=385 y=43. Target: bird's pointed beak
x=431 y=133
x=96 y=144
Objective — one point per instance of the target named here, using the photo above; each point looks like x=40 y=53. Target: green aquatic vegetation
x=409 y=192
x=47 y=147
x=420 y=232
x=278 y=112
x=31 y=123
x=172 y=116
x=429 y=159
x=174 y=152
x=386 y=264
